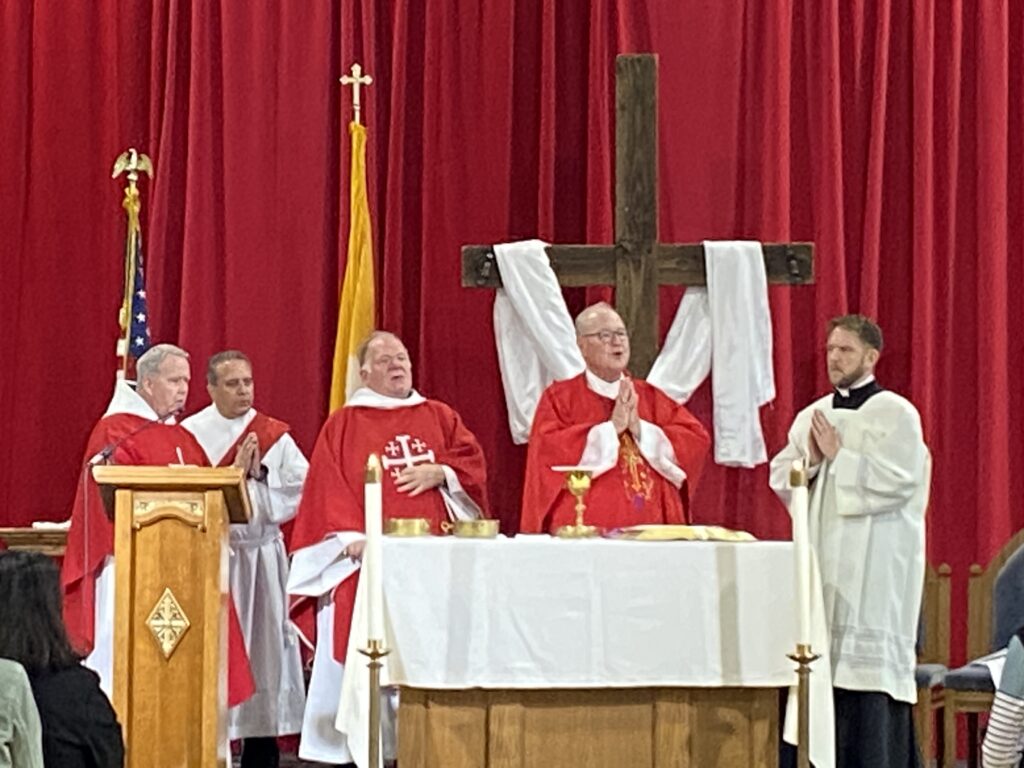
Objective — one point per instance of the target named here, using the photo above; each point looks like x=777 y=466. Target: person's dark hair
x=865 y=328
x=32 y=630
x=223 y=357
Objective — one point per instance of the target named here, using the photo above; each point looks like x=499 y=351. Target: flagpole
x=356 y=301
x=130 y=162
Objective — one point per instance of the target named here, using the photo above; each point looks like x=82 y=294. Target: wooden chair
x=995 y=609
x=932 y=661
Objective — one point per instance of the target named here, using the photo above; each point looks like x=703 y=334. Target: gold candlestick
x=577 y=480
x=375 y=651
x=804 y=657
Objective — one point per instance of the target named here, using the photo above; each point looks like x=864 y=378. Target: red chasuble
x=91 y=535
x=630 y=493
x=332 y=498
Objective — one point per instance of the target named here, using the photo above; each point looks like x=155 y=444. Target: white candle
x=802 y=547
x=372 y=553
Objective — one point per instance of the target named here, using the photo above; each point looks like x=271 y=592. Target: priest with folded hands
x=646 y=451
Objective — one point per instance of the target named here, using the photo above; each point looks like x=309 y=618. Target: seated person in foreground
x=646 y=451
x=433 y=468
x=1002 y=745
x=21 y=743
x=79 y=726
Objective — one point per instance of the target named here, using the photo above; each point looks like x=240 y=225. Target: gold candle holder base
x=577 y=531
x=375 y=651
x=803 y=657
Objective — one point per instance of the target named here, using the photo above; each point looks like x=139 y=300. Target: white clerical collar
x=220 y=421
x=857 y=384
x=364 y=397
x=127 y=400
x=609 y=389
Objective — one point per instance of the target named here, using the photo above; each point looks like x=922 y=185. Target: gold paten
x=168 y=623
x=680 y=533
x=483 y=528
x=407 y=526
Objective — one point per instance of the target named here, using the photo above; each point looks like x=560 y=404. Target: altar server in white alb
x=233 y=433
x=869 y=473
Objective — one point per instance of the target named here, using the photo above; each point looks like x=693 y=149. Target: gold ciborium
x=577 y=481
x=407 y=527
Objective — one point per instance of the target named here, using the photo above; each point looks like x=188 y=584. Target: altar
x=534 y=652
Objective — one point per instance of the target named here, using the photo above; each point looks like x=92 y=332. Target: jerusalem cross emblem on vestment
x=404 y=451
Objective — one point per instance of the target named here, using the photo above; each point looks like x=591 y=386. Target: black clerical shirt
x=855 y=398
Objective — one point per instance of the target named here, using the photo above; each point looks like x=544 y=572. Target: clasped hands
x=248 y=457
x=823 y=440
x=626 y=414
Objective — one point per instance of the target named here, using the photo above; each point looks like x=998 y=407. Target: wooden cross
x=636 y=263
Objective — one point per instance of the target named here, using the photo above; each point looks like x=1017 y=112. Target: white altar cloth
x=540 y=612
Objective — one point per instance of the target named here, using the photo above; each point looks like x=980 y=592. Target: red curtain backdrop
x=890 y=134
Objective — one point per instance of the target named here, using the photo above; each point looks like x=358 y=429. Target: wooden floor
x=291 y=761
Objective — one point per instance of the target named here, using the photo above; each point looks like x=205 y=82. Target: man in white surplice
x=869 y=471
x=232 y=432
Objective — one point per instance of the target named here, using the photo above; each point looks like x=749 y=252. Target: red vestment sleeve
x=241 y=684
x=557 y=437
x=328 y=503
x=90 y=536
x=462 y=452
x=688 y=437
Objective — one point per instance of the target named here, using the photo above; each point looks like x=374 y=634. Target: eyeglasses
x=606 y=336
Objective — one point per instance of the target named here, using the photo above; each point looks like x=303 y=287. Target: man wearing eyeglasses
x=646 y=452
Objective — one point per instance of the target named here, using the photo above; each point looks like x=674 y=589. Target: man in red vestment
x=138 y=428
x=433 y=468
x=646 y=452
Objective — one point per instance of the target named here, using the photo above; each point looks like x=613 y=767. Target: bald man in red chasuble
x=646 y=451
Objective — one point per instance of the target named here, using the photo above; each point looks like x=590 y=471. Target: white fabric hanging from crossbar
x=537 y=342
x=725 y=328
x=535 y=335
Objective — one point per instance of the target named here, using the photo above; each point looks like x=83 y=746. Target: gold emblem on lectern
x=168 y=623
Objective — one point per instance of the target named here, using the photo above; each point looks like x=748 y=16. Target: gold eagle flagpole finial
x=356 y=80
x=130 y=162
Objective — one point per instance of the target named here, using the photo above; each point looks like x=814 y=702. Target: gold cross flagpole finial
x=356 y=79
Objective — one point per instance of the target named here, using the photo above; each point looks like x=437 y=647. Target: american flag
x=138 y=326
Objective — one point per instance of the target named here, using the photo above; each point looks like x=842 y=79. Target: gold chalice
x=577 y=481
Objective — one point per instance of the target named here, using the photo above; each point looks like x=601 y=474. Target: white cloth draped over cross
x=728 y=323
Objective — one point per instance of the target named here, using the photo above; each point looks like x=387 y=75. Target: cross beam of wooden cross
x=637 y=263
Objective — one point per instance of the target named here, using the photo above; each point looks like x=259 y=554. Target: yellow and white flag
x=356 y=311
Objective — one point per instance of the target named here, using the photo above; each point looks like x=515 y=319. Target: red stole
x=268 y=431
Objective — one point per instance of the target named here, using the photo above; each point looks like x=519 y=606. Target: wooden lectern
x=171 y=601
